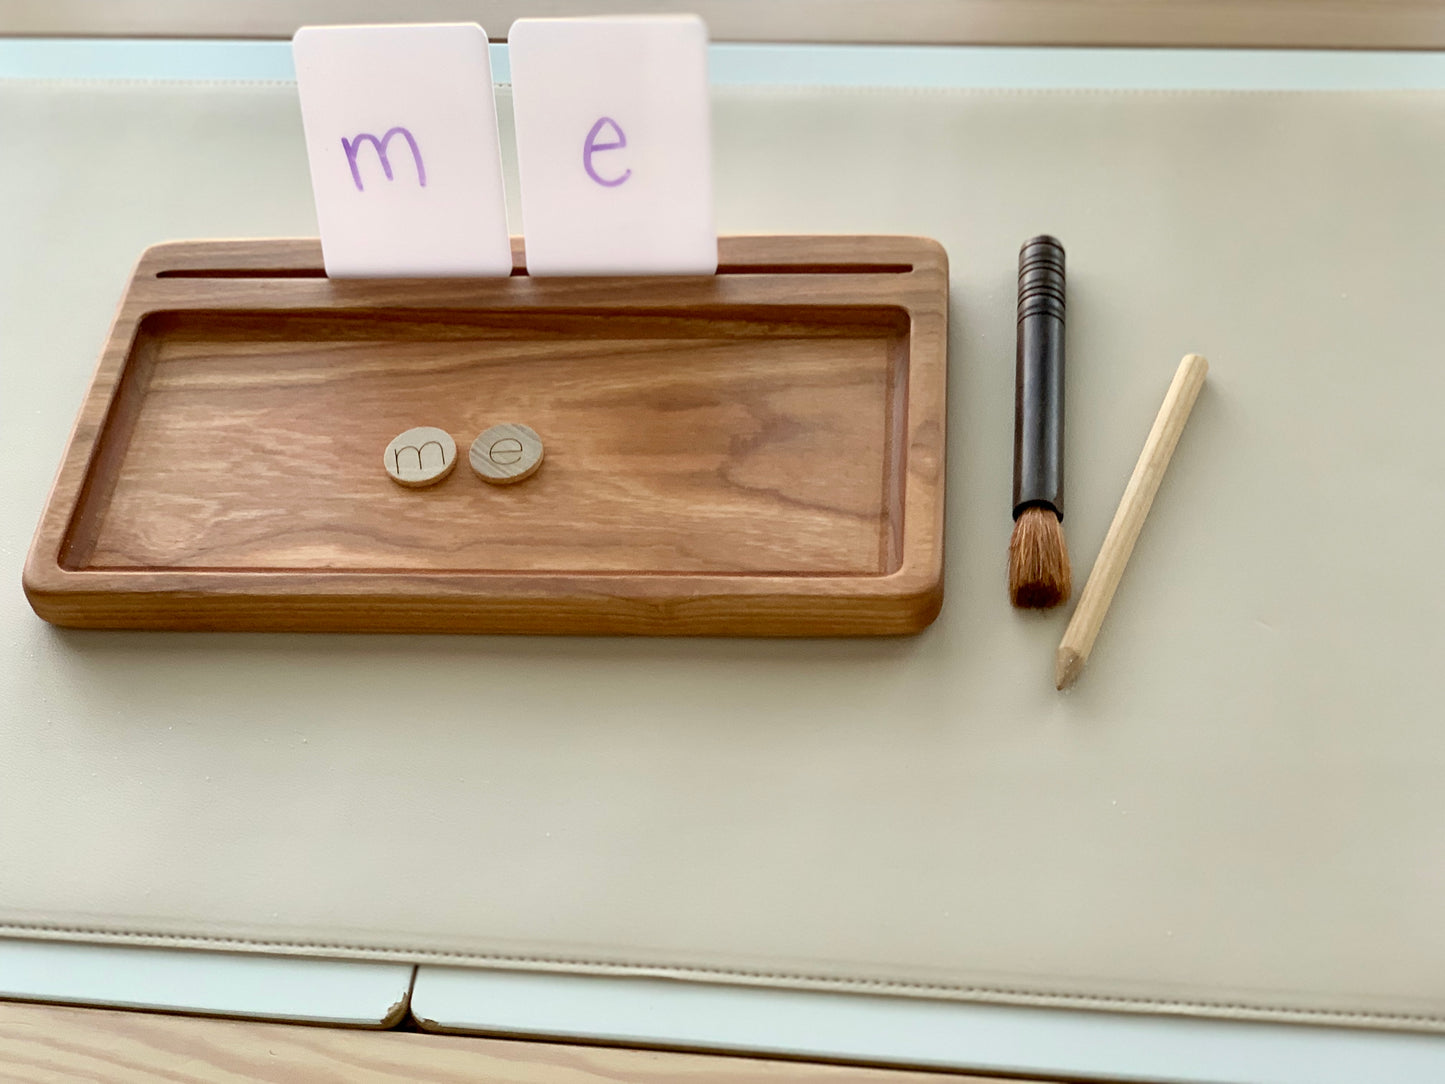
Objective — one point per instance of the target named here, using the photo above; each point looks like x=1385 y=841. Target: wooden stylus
x=1088 y=616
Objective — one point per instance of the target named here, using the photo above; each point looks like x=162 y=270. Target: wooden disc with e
x=506 y=453
x=421 y=457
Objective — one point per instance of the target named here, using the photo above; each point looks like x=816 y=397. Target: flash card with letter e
x=614 y=144
x=401 y=132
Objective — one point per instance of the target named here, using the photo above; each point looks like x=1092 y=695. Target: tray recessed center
x=752 y=441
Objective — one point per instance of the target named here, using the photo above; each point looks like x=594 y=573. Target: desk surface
x=46 y=1045
x=70 y=395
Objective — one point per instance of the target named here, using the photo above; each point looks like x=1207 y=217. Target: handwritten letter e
x=352 y=146
x=590 y=146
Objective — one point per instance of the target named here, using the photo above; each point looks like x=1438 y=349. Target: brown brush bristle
x=1038 y=560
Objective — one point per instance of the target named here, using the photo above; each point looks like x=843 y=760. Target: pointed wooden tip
x=1067 y=665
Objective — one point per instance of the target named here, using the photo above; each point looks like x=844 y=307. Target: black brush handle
x=1039 y=378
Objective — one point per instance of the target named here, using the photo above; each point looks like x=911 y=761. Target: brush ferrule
x=1039 y=378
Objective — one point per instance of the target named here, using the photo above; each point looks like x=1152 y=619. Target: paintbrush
x=1038 y=558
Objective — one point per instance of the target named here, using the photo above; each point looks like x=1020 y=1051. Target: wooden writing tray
x=756 y=453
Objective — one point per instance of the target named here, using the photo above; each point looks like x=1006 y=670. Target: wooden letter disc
x=506 y=453
x=421 y=457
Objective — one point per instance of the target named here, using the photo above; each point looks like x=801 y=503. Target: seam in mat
x=863 y=90
x=835 y=88
x=704 y=972
x=126 y=81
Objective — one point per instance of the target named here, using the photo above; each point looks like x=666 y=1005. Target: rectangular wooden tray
x=757 y=453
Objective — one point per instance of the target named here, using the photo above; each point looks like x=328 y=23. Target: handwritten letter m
x=353 y=146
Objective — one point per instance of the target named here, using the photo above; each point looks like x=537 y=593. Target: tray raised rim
x=170 y=277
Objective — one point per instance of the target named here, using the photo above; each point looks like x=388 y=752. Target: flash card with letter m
x=401 y=133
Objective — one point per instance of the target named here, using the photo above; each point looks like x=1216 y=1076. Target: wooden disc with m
x=421 y=457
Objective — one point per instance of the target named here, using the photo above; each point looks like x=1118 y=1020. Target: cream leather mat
x=1240 y=810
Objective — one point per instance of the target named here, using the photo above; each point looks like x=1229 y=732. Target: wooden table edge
x=47 y=1042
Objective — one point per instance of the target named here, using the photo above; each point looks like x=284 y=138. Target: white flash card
x=614 y=145
x=406 y=167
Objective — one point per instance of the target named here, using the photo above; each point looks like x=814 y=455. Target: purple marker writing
x=353 y=146
x=590 y=147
